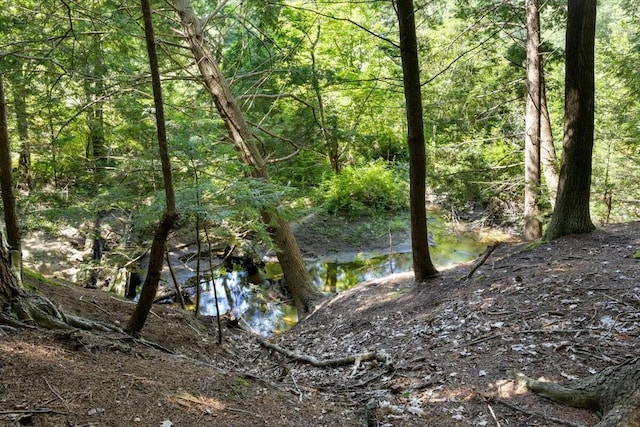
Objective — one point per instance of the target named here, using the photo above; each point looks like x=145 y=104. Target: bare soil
x=558 y=310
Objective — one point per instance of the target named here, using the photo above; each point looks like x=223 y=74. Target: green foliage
x=308 y=79
x=359 y=191
x=306 y=170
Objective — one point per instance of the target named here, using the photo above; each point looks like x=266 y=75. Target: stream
x=262 y=307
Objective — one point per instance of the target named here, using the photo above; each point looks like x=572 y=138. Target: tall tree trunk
x=96 y=140
x=571 y=214
x=305 y=294
x=422 y=265
x=548 y=158
x=532 y=223
x=156 y=256
x=22 y=124
x=6 y=186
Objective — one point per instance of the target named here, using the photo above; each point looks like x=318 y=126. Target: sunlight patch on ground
x=503 y=388
x=34 y=352
x=43 y=253
x=507 y=388
x=205 y=404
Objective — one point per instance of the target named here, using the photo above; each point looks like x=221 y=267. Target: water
x=255 y=305
x=251 y=303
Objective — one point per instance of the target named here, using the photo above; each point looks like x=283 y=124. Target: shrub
x=358 y=191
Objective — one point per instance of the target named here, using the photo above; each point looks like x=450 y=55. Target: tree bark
x=10 y=288
x=532 y=223
x=150 y=284
x=423 y=268
x=22 y=124
x=614 y=392
x=6 y=186
x=298 y=279
x=548 y=158
x=571 y=214
x=156 y=257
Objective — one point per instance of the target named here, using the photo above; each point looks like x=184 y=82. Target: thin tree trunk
x=298 y=279
x=571 y=214
x=532 y=223
x=22 y=124
x=150 y=285
x=196 y=312
x=6 y=186
x=215 y=289
x=422 y=265
x=175 y=281
x=548 y=158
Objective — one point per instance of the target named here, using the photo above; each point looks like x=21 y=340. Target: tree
x=548 y=158
x=6 y=186
x=533 y=225
x=571 y=214
x=17 y=307
x=20 y=94
x=422 y=265
x=305 y=294
x=156 y=259
x=613 y=392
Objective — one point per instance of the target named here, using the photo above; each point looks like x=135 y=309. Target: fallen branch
x=482 y=260
x=380 y=356
x=32 y=411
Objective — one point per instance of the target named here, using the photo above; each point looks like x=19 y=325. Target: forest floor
x=446 y=349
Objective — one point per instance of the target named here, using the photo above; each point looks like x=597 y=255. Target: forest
x=155 y=152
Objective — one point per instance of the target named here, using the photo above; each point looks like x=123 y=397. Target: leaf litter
x=563 y=310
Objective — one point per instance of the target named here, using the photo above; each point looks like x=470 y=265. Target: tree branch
x=380 y=356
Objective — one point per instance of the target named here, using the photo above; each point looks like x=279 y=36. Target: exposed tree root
x=532 y=413
x=380 y=356
x=614 y=392
x=34 y=310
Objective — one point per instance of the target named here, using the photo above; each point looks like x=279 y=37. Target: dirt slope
x=561 y=310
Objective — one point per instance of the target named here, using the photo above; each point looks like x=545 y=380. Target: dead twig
x=96 y=305
x=380 y=356
x=493 y=415
x=56 y=394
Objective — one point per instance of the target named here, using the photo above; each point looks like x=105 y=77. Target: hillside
x=561 y=310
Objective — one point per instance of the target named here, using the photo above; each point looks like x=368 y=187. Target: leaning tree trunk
x=613 y=392
x=571 y=214
x=151 y=282
x=298 y=279
x=156 y=257
x=422 y=265
x=532 y=223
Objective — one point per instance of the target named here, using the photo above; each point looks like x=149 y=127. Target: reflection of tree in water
x=256 y=307
x=335 y=276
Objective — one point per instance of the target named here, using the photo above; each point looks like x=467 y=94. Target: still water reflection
x=255 y=306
